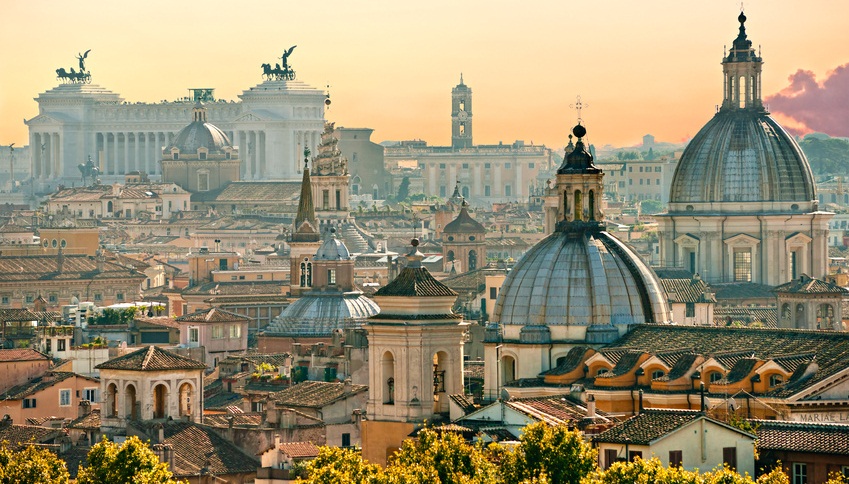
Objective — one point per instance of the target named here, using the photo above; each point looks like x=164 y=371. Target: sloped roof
x=742 y=290
x=768 y=315
x=21 y=354
x=687 y=291
x=554 y=410
x=314 y=394
x=25 y=268
x=21 y=435
x=415 y=282
x=464 y=223
x=212 y=315
x=91 y=421
x=35 y=385
x=252 y=191
x=817 y=438
x=151 y=358
x=808 y=285
x=196 y=447
x=647 y=427
x=573 y=358
x=17 y=315
x=299 y=450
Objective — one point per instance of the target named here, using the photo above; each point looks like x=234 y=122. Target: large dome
x=742 y=155
x=200 y=134
x=319 y=314
x=580 y=279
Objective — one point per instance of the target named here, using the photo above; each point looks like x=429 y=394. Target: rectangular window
x=641 y=181
x=64 y=398
x=119 y=296
x=442 y=191
x=233 y=278
x=729 y=456
x=630 y=169
x=622 y=184
x=30 y=298
x=800 y=473
x=508 y=190
x=465 y=166
x=442 y=166
x=630 y=181
x=487 y=165
x=531 y=165
x=641 y=169
x=98 y=297
x=507 y=166
x=338 y=199
x=331 y=276
x=493 y=292
x=236 y=331
x=486 y=191
x=29 y=402
x=610 y=457
x=91 y=394
x=742 y=265
x=203 y=182
x=346 y=440
x=4 y=300
x=325 y=199
x=194 y=335
x=691 y=310
x=259 y=277
x=634 y=454
x=60 y=344
x=676 y=458
x=217 y=332
x=52 y=298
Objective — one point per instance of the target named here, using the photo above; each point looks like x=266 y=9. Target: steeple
x=306 y=227
x=742 y=70
x=579 y=188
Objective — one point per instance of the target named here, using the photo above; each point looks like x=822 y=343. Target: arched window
x=112 y=400
x=591 y=201
x=602 y=371
x=186 y=395
x=450 y=255
x=508 y=369
x=388 y=366
x=109 y=207
x=825 y=316
x=130 y=404
x=741 y=92
x=473 y=260
x=800 y=316
x=306 y=274
x=579 y=203
x=786 y=313
x=565 y=205
x=160 y=401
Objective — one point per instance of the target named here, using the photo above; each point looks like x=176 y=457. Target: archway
x=112 y=400
x=591 y=202
x=579 y=206
x=825 y=316
x=160 y=401
x=441 y=388
x=130 y=405
x=387 y=364
x=473 y=260
x=186 y=395
x=800 y=317
x=508 y=369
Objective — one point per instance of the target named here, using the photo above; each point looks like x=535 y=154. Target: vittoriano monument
x=89 y=171
x=277 y=73
x=83 y=76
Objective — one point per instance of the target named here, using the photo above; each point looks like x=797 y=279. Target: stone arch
x=800 y=321
x=825 y=316
x=160 y=400
x=187 y=393
x=131 y=402
x=112 y=400
x=441 y=384
x=473 y=260
x=387 y=366
x=508 y=368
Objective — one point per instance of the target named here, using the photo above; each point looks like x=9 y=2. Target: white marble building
x=271 y=125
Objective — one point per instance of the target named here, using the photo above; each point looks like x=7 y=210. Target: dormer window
x=775 y=380
x=175 y=155
x=202 y=155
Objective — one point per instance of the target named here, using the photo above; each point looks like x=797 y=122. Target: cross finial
x=741 y=6
x=577 y=106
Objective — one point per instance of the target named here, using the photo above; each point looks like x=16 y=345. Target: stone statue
x=286 y=57
x=82 y=58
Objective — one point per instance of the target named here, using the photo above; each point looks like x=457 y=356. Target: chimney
x=347 y=387
x=641 y=401
x=160 y=434
x=590 y=406
x=276 y=441
x=60 y=260
x=83 y=409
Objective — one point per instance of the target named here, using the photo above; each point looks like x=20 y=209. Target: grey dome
x=320 y=314
x=742 y=155
x=200 y=134
x=580 y=279
x=333 y=249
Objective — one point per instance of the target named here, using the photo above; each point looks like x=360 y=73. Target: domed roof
x=320 y=314
x=742 y=155
x=200 y=134
x=332 y=249
x=583 y=278
x=464 y=223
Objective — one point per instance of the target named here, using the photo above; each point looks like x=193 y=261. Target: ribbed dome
x=333 y=249
x=200 y=134
x=582 y=279
x=742 y=155
x=464 y=223
x=320 y=314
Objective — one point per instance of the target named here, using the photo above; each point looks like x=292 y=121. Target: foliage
x=441 y=457
x=132 y=461
x=650 y=207
x=629 y=155
x=828 y=155
x=114 y=316
x=334 y=465
x=643 y=471
x=557 y=452
x=403 y=189
x=775 y=476
x=834 y=477
x=31 y=465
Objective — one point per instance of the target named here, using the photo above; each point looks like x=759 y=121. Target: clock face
x=462 y=115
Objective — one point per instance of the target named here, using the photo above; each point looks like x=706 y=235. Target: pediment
x=798 y=238
x=687 y=239
x=249 y=117
x=43 y=119
x=742 y=240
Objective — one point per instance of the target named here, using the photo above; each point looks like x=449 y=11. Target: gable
x=742 y=240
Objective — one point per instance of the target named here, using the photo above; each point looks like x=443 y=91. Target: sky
x=650 y=66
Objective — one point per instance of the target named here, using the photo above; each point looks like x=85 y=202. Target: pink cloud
x=815 y=106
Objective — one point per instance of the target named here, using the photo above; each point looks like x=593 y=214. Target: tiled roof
x=314 y=394
x=87 y=422
x=151 y=358
x=687 y=290
x=262 y=192
x=627 y=361
x=212 y=315
x=26 y=268
x=727 y=315
x=672 y=273
x=17 y=314
x=645 y=428
x=246 y=288
x=554 y=410
x=197 y=447
x=741 y=369
x=220 y=401
x=21 y=354
x=742 y=290
x=681 y=367
x=802 y=437
x=299 y=450
x=731 y=344
x=164 y=321
x=464 y=223
x=222 y=420
x=35 y=385
x=21 y=435
x=415 y=282
x=274 y=359
x=464 y=402
x=573 y=358
x=808 y=285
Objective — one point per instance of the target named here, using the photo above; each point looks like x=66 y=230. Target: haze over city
x=641 y=67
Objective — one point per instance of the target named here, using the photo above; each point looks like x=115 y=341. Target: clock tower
x=461 y=116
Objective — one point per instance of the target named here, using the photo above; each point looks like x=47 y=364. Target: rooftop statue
x=83 y=76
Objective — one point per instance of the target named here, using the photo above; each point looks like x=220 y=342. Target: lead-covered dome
x=320 y=314
x=742 y=156
x=200 y=134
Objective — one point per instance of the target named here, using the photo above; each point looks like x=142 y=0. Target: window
x=236 y=331
x=325 y=199
x=29 y=402
x=175 y=156
x=742 y=265
x=91 y=394
x=601 y=371
x=30 y=298
x=203 y=182
x=676 y=458
x=641 y=169
x=64 y=398
x=52 y=298
x=486 y=191
x=729 y=456
x=641 y=181
x=259 y=277
x=507 y=166
x=4 y=300
x=657 y=181
x=630 y=181
x=119 y=296
x=346 y=440
x=609 y=457
x=60 y=344
x=233 y=278
x=775 y=380
x=462 y=129
x=202 y=155
x=508 y=190
x=493 y=292
x=194 y=334
x=442 y=166
x=331 y=277
x=634 y=454
x=531 y=166
x=49 y=345
x=442 y=191
x=217 y=332
x=657 y=374
x=487 y=165
x=98 y=297
x=691 y=310
x=465 y=166
x=800 y=473
x=715 y=376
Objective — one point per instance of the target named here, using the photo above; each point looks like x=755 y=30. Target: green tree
x=334 y=465
x=403 y=190
x=131 y=461
x=444 y=457
x=643 y=471
x=31 y=465
x=557 y=452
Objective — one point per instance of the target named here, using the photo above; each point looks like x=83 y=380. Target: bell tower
x=579 y=190
x=742 y=72
x=461 y=116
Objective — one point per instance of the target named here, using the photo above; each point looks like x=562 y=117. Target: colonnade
x=46 y=152
x=120 y=152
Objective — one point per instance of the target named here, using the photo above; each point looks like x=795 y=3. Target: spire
x=741 y=48
x=305 y=223
x=579 y=160
x=461 y=78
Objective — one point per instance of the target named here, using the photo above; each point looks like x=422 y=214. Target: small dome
x=742 y=155
x=200 y=134
x=332 y=249
x=464 y=223
x=581 y=279
x=320 y=314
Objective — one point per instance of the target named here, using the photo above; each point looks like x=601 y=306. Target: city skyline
x=644 y=68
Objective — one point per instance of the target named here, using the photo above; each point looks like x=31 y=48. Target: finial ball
x=741 y=18
x=414 y=242
x=332 y=230
x=579 y=131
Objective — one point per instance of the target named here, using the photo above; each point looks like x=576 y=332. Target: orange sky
x=647 y=66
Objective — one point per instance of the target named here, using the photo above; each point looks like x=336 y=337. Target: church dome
x=580 y=279
x=320 y=314
x=332 y=249
x=742 y=156
x=200 y=134
x=464 y=223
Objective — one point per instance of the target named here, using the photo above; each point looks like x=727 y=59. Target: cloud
x=814 y=106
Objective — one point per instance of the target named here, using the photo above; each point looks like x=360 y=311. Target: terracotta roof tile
x=802 y=437
x=87 y=422
x=645 y=428
x=25 y=268
x=21 y=354
x=314 y=394
x=212 y=315
x=20 y=435
x=808 y=285
x=151 y=358
x=35 y=385
x=299 y=450
x=197 y=447
x=415 y=282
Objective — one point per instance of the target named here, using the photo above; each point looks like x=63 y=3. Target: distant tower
x=461 y=116
x=306 y=238
x=330 y=180
x=464 y=242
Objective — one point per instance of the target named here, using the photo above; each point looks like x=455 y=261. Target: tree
x=441 y=457
x=132 y=461
x=647 y=471
x=335 y=464
x=403 y=189
x=31 y=465
x=557 y=452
